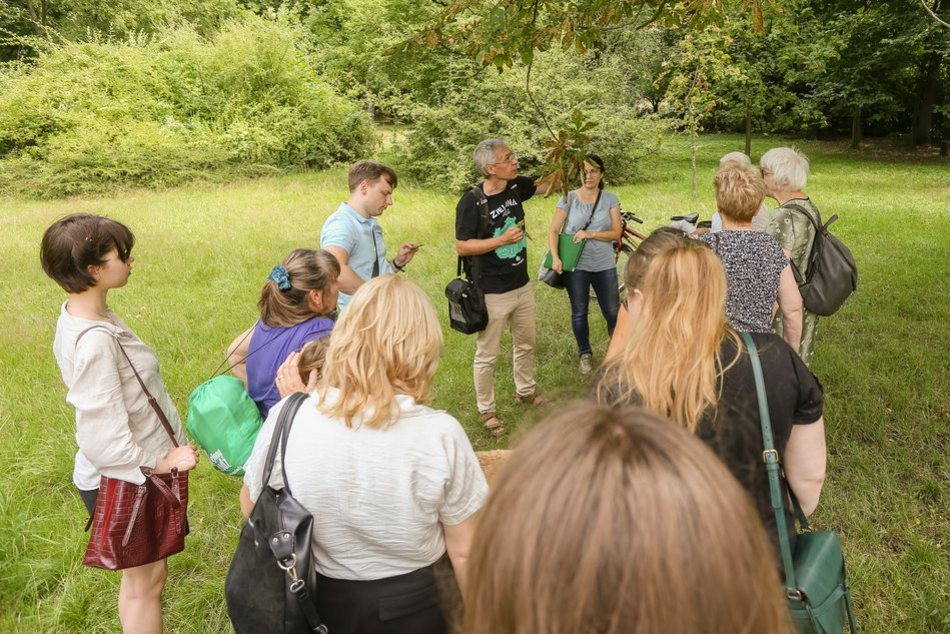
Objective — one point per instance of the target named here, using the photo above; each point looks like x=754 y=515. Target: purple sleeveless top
x=269 y=348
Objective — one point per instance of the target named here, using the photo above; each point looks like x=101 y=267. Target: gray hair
x=736 y=157
x=486 y=153
x=788 y=166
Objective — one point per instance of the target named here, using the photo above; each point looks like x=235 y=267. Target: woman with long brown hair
x=295 y=306
x=613 y=521
x=683 y=361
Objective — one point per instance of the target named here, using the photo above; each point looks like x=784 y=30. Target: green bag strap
x=799 y=513
x=771 y=458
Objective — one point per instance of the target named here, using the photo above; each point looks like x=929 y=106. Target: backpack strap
x=812 y=254
x=800 y=209
x=481 y=204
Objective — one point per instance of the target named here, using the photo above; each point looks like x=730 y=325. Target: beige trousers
x=516 y=309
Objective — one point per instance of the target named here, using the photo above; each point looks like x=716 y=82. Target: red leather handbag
x=137 y=524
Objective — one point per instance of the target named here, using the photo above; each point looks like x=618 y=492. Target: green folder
x=568 y=251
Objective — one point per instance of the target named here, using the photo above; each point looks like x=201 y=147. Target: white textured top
x=116 y=429
x=378 y=497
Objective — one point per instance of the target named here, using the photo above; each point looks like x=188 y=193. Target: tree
x=502 y=33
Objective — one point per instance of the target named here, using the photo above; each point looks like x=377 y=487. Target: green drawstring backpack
x=224 y=421
x=223 y=418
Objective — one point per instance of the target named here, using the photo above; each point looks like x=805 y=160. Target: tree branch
x=527 y=80
x=934 y=15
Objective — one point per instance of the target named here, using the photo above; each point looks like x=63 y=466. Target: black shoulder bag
x=271 y=579
x=468 y=312
x=816 y=582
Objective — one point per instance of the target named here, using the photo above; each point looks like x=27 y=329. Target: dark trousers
x=89 y=499
x=406 y=604
x=578 y=285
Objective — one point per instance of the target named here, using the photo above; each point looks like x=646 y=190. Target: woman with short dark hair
x=119 y=435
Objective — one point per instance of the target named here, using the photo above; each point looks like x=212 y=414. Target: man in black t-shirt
x=500 y=243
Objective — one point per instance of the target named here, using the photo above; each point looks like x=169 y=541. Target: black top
x=733 y=431
x=505 y=268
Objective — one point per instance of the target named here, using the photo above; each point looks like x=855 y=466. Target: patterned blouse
x=753 y=262
x=796 y=233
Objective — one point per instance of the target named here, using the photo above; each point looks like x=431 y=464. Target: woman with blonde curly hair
x=758 y=272
x=683 y=361
x=613 y=521
x=393 y=485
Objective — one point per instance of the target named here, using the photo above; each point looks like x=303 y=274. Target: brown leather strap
x=151 y=399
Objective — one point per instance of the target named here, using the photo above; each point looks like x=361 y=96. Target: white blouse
x=378 y=497
x=116 y=429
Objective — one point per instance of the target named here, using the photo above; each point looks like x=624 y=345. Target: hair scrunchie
x=279 y=276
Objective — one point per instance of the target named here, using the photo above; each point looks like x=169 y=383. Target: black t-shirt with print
x=733 y=430
x=505 y=268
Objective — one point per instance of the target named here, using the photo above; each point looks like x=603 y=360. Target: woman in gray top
x=593 y=216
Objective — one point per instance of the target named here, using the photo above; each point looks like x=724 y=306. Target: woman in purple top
x=296 y=301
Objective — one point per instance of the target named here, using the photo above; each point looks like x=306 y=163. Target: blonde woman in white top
x=118 y=434
x=393 y=485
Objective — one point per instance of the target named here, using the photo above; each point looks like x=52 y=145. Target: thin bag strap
x=249 y=354
x=567 y=213
x=481 y=204
x=771 y=458
x=148 y=395
x=375 y=253
x=279 y=437
x=593 y=209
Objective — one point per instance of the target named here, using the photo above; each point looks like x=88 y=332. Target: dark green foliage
x=161 y=110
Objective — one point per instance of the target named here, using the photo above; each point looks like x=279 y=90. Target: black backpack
x=468 y=312
x=831 y=276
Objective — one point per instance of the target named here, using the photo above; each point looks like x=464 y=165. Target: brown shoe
x=533 y=399
x=493 y=423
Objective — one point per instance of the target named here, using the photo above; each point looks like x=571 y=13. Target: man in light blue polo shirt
x=353 y=236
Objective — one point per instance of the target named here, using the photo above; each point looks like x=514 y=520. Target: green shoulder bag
x=816 y=581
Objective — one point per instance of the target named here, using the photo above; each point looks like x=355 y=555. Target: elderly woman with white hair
x=785 y=172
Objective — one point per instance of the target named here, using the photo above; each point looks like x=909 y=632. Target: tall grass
x=203 y=253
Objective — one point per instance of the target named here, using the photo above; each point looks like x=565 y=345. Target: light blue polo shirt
x=361 y=238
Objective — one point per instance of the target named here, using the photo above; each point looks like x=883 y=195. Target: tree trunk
x=692 y=139
x=856 y=128
x=748 y=132
x=38 y=24
x=927 y=93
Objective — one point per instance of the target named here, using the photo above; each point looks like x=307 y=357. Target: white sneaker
x=586 y=364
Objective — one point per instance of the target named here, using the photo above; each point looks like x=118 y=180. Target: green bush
x=488 y=104
x=164 y=109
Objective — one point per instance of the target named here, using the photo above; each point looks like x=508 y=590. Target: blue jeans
x=578 y=284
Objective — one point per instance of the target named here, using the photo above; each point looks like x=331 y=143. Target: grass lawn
x=204 y=252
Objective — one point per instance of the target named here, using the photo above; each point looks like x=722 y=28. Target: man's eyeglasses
x=511 y=159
